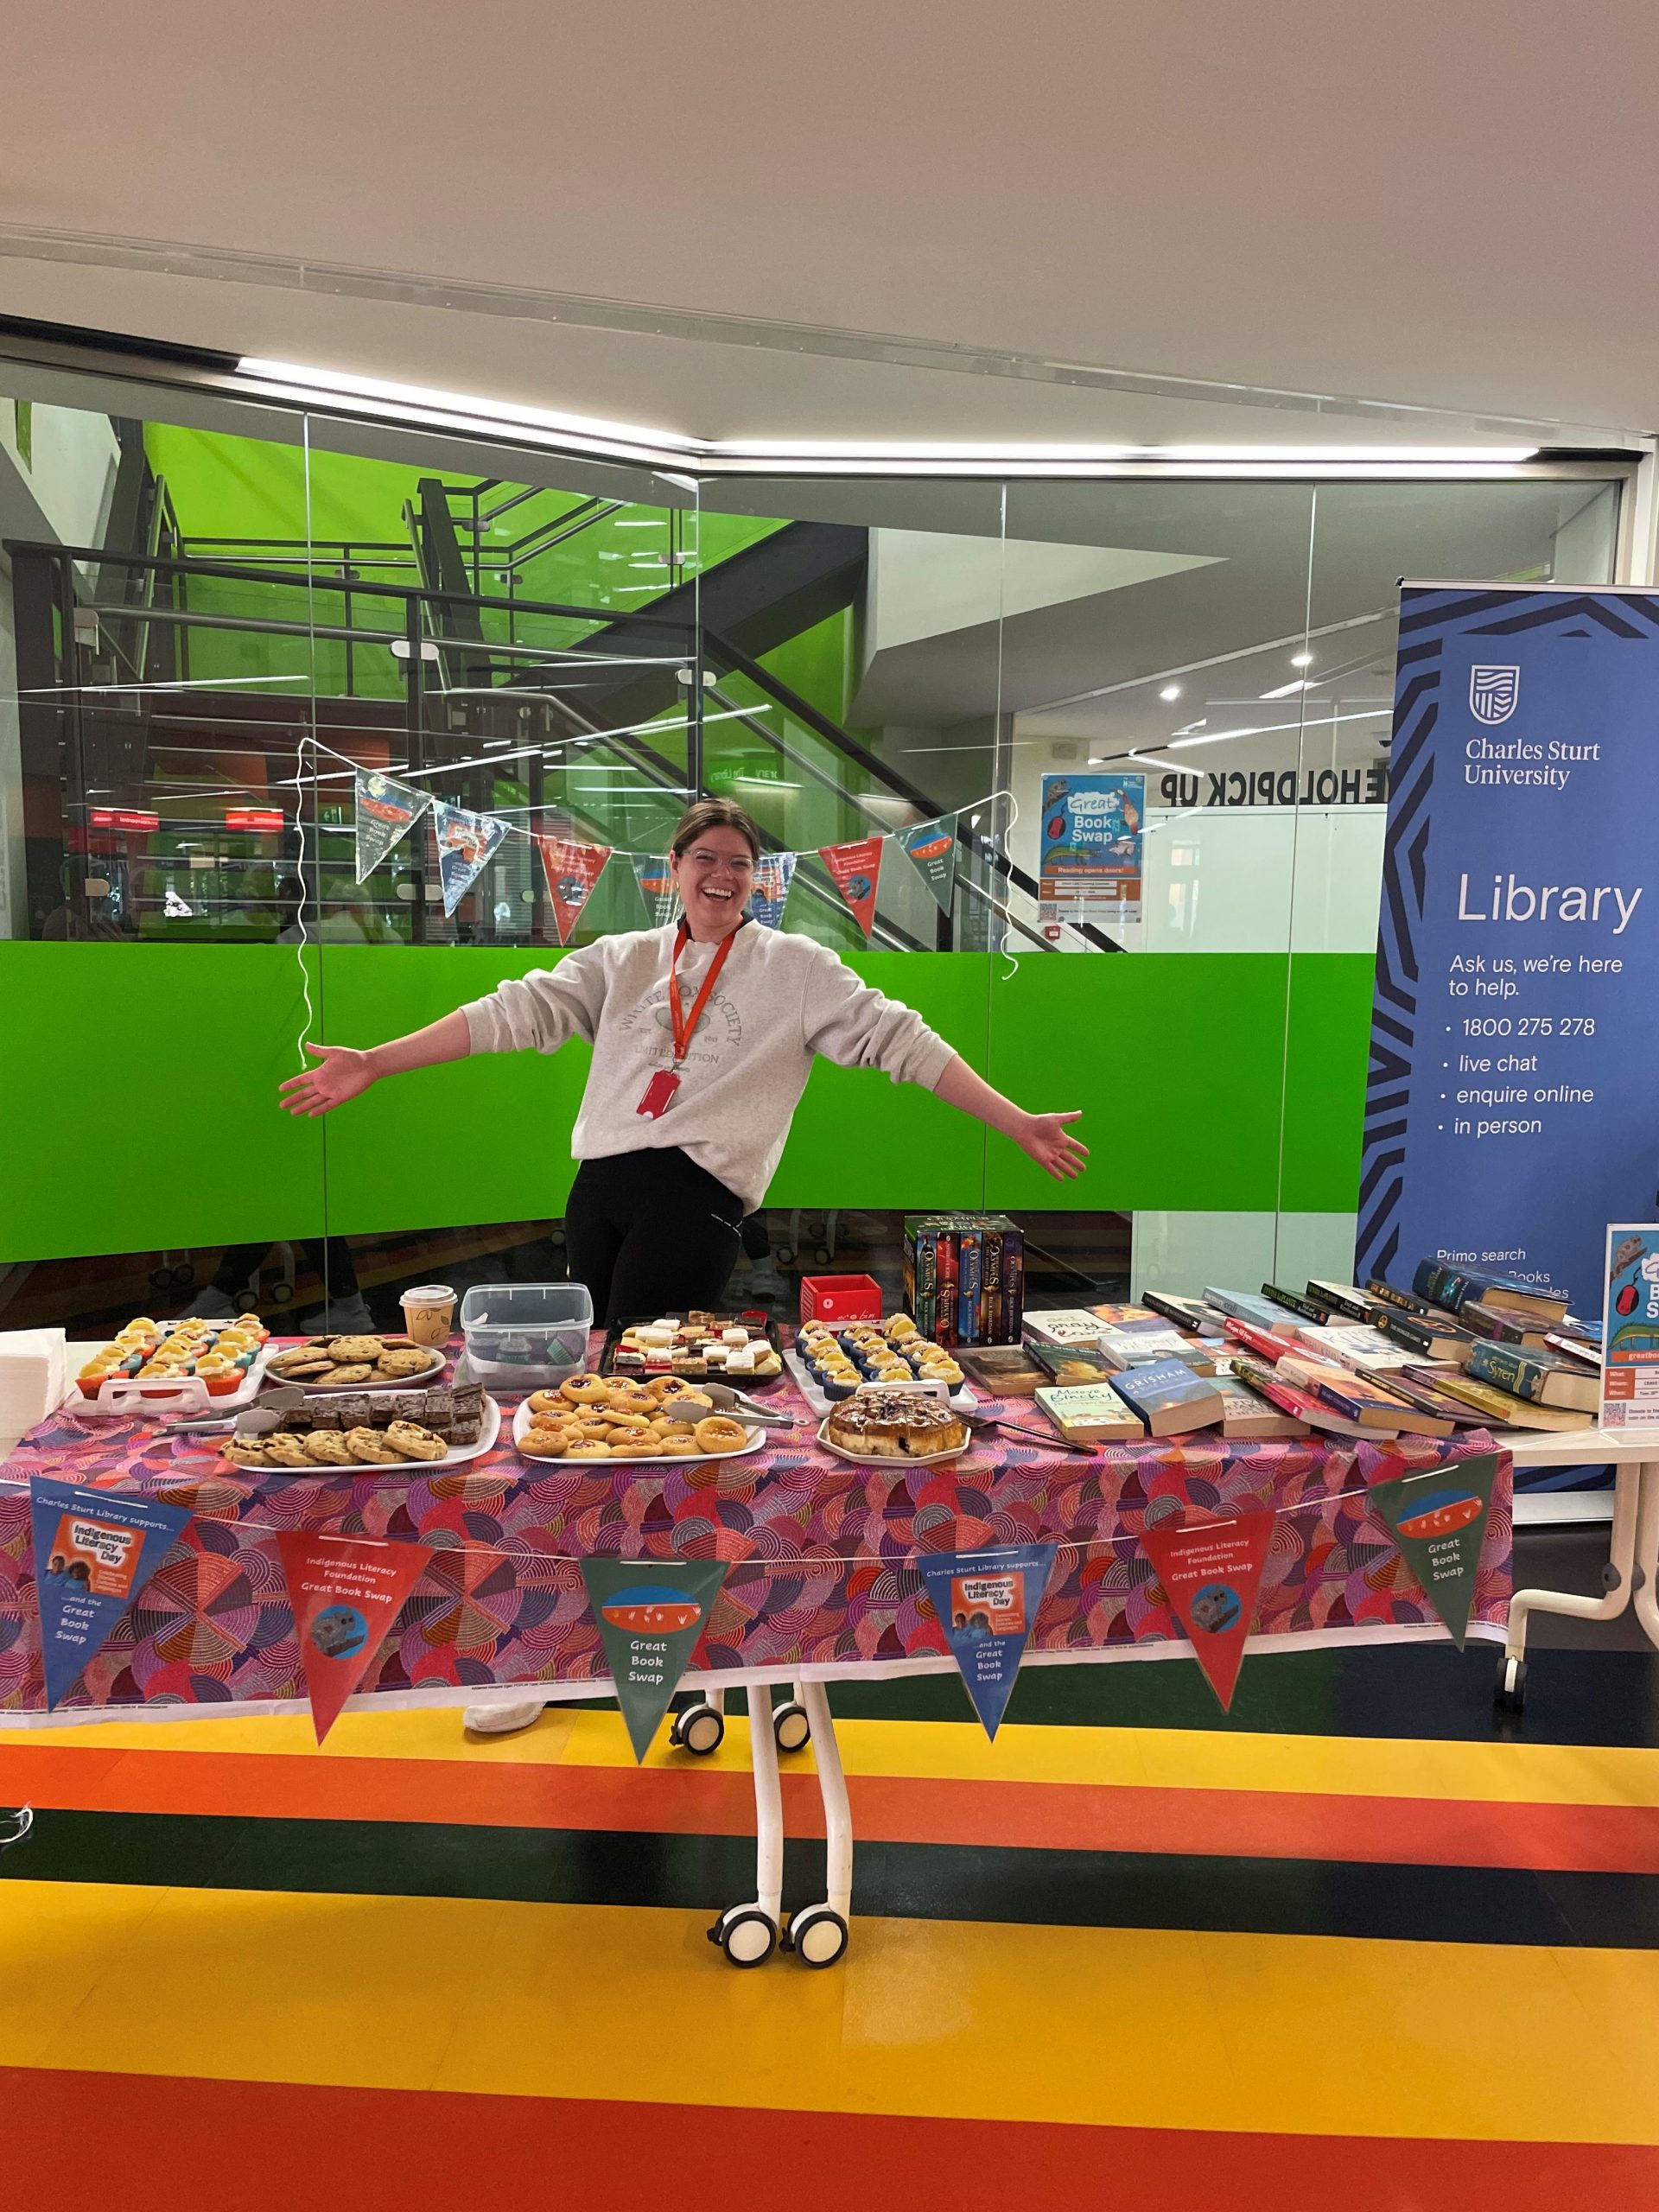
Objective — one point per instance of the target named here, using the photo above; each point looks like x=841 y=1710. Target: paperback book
x=1503 y=1409
x=1411 y=1384
x=1536 y=1377
x=1170 y=1398
x=1245 y=1414
x=1351 y=1344
x=1292 y=1398
x=1186 y=1312
x=1368 y=1404
x=1121 y=1348
x=1345 y=1299
x=1092 y=1413
x=1429 y=1336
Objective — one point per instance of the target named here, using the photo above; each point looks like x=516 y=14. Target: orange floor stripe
x=1268 y=1824
x=151 y=2143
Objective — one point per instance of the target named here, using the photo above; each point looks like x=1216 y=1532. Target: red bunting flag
x=346 y=1593
x=856 y=869
x=571 y=872
x=1212 y=1573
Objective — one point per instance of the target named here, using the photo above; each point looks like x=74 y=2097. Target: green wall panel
x=1329 y=1052
x=142 y=1114
x=140 y=1107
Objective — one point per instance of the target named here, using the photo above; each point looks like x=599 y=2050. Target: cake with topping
x=896 y=1424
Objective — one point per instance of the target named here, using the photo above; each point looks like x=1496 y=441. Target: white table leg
x=1630 y=1479
x=818 y=1933
x=1646 y=1596
x=748 y=1933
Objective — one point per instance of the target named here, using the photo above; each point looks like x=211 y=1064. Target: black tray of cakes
x=741 y=1349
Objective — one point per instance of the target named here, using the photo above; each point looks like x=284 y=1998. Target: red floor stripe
x=150 y=2144
x=698 y=1800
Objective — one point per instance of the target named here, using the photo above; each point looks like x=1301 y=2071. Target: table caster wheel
x=791 y=1728
x=747 y=1936
x=817 y=1937
x=1510 y=1694
x=698 y=1730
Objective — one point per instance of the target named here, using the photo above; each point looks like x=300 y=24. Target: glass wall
x=206 y=635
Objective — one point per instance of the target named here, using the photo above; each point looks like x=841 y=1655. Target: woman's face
x=714 y=875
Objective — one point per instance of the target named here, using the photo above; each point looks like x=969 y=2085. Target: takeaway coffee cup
x=429 y=1313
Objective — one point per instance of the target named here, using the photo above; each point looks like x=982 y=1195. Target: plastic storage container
x=526 y=1336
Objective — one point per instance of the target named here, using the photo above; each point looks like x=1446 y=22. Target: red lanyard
x=683 y=1028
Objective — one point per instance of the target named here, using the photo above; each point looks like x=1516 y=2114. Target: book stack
x=965 y=1277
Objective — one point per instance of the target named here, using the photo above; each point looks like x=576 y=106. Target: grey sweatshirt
x=780 y=999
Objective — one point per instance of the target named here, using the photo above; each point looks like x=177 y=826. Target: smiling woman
x=704 y=1033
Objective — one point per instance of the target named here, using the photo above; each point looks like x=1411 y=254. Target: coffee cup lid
x=431 y=1294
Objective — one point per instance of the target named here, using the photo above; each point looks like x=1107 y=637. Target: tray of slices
x=742 y=1348
x=415 y=1429
x=356 y=1362
x=895 y=1424
x=665 y=1422
x=173 y=1367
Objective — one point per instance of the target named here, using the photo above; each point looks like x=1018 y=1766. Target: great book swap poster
x=1510 y=1112
x=1091 y=851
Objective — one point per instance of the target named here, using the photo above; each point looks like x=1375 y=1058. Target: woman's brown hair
x=714 y=814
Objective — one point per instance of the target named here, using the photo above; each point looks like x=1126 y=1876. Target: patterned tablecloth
x=822 y=1581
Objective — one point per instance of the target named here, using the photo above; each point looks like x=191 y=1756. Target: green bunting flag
x=1439 y=1519
x=650 y=1617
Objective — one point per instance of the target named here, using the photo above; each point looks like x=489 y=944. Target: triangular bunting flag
x=466 y=842
x=386 y=812
x=773 y=873
x=571 y=872
x=92 y=1556
x=986 y=1602
x=650 y=1617
x=1439 y=1521
x=1211 y=1572
x=932 y=848
x=650 y=873
x=856 y=870
x=345 y=1592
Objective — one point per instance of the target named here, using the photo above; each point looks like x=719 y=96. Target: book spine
x=969 y=1278
x=990 y=1296
x=1295 y=1302
x=1013 y=1285
x=1402 y=1301
x=925 y=1308
x=944 y=1261
x=1509 y=1368
x=909 y=1270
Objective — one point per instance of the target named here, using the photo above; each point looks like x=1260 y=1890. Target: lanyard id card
x=658 y=1094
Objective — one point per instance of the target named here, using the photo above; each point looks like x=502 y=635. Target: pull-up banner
x=92 y=1556
x=1515 y=1059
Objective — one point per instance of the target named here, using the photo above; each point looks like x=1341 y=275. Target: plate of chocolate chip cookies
x=356 y=1363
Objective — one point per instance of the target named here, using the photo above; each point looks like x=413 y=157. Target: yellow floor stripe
x=1138 y=2027
x=1170 y=1758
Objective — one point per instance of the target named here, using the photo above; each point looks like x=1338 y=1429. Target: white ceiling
x=1445 y=206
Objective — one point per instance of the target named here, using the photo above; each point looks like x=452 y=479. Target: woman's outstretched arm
x=1045 y=1136
x=346 y=1073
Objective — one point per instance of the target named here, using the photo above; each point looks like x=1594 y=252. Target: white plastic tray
x=758 y=1435
x=964 y=1399
x=122 y=1396
x=456 y=1457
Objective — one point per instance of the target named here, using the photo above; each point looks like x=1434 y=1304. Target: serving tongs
x=733 y=1402
x=263 y=1415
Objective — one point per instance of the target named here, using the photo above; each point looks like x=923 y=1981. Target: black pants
x=650 y=1233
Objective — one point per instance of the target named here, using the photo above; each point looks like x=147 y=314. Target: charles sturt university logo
x=1493 y=693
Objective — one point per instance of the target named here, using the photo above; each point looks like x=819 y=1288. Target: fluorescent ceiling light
x=1170 y=691
x=1269 y=730
x=1302 y=660
x=1287 y=691
x=435 y=408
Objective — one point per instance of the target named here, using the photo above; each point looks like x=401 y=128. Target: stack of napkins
x=34 y=1375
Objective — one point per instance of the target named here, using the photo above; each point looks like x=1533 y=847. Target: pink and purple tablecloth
x=822 y=1579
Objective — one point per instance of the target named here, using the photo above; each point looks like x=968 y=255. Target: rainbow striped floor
x=1364 y=1945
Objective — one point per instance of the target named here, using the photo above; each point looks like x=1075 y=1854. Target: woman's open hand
x=1052 y=1145
x=345 y=1073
